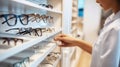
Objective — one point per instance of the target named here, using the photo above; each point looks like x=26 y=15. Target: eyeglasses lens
x=24 y=20
x=11 y=20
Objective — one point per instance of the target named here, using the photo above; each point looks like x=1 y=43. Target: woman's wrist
x=84 y=45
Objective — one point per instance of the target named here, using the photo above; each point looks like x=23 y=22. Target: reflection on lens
x=26 y=62
x=17 y=65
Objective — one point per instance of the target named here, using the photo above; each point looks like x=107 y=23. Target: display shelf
x=11 y=51
x=39 y=57
x=23 y=6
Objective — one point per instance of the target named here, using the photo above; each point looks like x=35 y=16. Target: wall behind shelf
x=91 y=22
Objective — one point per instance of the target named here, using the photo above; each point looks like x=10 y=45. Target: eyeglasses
x=38 y=18
x=8 y=40
x=47 y=6
x=30 y=31
x=47 y=19
x=34 y=17
x=37 y=31
x=11 y=19
x=23 y=31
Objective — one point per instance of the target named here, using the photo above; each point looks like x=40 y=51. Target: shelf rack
x=26 y=7
x=11 y=51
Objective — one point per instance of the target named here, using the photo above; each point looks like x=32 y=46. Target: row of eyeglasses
x=24 y=19
x=23 y=31
x=30 y=31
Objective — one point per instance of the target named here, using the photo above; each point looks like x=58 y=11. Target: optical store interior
x=28 y=29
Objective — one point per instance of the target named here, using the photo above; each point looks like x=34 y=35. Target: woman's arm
x=84 y=45
x=68 y=41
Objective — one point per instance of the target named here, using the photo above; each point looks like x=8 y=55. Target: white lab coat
x=106 y=50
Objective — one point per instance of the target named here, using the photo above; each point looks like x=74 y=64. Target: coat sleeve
x=110 y=54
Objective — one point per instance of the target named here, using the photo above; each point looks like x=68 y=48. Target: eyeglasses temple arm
x=12 y=29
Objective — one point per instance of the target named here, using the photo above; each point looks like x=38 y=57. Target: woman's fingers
x=62 y=35
x=65 y=44
x=59 y=37
x=66 y=41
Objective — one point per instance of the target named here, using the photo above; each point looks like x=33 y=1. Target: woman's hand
x=67 y=41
